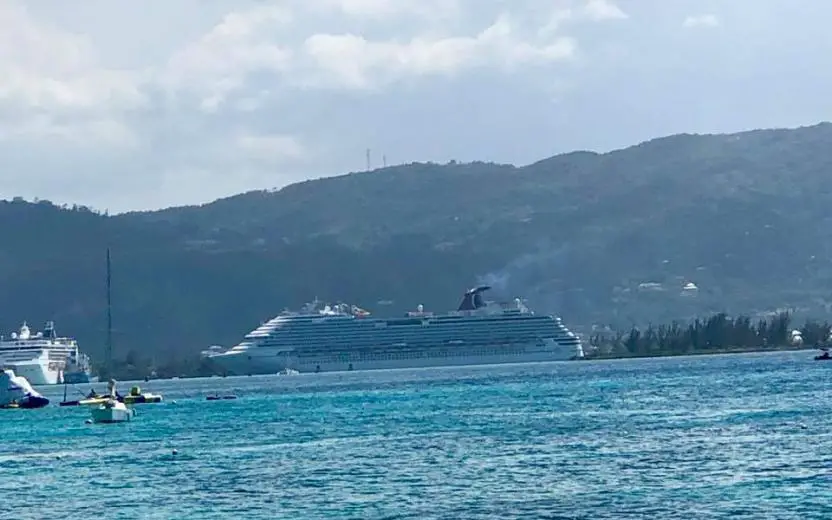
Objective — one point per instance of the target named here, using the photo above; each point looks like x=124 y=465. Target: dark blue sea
x=734 y=436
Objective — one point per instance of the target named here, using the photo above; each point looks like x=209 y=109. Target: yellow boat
x=137 y=397
x=93 y=401
x=134 y=397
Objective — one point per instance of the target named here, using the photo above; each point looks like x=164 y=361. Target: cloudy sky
x=132 y=105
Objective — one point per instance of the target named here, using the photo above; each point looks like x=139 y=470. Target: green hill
x=598 y=238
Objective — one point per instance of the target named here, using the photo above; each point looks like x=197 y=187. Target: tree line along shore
x=718 y=334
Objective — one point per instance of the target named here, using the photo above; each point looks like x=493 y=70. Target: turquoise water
x=742 y=436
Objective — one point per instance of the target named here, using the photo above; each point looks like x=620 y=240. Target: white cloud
x=271 y=148
x=83 y=132
x=603 y=10
x=559 y=18
x=61 y=69
x=702 y=20
x=383 y=9
x=245 y=43
x=45 y=68
x=218 y=63
x=348 y=60
x=53 y=88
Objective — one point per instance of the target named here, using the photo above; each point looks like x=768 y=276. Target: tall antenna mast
x=109 y=320
x=384 y=160
x=368 y=159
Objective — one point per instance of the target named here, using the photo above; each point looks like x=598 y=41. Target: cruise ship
x=344 y=337
x=43 y=358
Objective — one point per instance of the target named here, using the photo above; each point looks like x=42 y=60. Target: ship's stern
x=36 y=372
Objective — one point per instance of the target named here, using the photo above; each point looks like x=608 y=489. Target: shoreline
x=587 y=357
x=710 y=352
x=720 y=351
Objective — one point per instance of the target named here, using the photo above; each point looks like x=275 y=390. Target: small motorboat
x=16 y=392
x=111 y=410
x=31 y=402
x=823 y=357
x=288 y=372
x=65 y=402
x=137 y=397
x=94 y=399
x=220 y=397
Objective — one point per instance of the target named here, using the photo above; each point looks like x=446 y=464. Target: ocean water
x=739 y=436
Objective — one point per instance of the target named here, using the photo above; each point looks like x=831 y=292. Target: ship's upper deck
x=23 y=339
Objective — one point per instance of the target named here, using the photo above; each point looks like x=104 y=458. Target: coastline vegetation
x=135 y=367
x=719 y=334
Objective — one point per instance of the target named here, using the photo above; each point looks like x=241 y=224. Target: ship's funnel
x=472 y=300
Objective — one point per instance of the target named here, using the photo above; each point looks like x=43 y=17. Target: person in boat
x=93 y=394
x=111 y=388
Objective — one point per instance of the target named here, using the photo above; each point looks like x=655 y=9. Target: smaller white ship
x=43 y=358
x=111 y=410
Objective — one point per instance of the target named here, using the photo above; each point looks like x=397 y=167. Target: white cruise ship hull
x=36 y=372
x=263 y=362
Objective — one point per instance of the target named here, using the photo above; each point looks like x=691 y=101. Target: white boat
x=42 y=357
x=343 y=337
x=111 y=410
x=16 y=392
